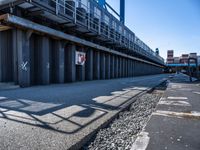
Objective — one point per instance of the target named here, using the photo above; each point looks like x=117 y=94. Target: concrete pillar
x=80 y=69
x=102 y=66
x=89 y=65
x=70 y=66
x=107 y=66
x=23 y=49
x=59 y=61
x=96 y=67
x=112 y=66
x=116 y=67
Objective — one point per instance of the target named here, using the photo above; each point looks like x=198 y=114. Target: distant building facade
x=183 y=59
x=170 y=56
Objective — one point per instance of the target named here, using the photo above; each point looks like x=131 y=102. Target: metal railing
x=92 y=17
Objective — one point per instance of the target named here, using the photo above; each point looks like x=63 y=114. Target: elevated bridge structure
x=58 y=41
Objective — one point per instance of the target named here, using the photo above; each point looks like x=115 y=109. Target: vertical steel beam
x=96 y=67
x=0 y=57
x=70 y=73
x=15 y=58
x=102 y=66
x=122 y=11
x=44 y=62
x=89 y=65
x=59 y=61
x=23 y=48
x=80 y=70
x=116 y=69
x=102 y=3
x=112 y=66
x=108 y=66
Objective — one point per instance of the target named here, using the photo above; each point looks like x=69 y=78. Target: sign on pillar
x=80 y=58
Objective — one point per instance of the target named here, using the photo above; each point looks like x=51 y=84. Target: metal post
x=122 y=11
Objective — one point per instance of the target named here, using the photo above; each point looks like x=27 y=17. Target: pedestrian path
x=175 y=125
x=64 y=116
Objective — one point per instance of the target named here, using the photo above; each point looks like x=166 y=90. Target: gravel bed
x=122 y=132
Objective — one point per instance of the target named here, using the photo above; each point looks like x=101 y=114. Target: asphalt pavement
x=62 y=116
x=175 y=125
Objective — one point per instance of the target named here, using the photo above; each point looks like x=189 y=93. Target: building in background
x=180 y=64
x=170 y=56
x=183 y=59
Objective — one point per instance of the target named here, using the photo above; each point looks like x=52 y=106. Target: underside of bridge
x=59 y=41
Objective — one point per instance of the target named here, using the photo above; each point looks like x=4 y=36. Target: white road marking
x=196 y=93
x=192 y=114
x=177 y=98
x=175 y=103
x=141 y=142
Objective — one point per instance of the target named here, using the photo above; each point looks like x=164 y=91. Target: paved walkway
x=59 y=116
x=176 y=123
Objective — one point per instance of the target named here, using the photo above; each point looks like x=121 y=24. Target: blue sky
x=166 y=24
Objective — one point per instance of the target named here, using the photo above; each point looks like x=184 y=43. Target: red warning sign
x=80 y=58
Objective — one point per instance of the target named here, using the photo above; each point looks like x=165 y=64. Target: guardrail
x=89 y=15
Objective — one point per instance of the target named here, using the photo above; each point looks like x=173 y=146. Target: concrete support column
x=80 y=69
x=70 y=66
x=112 y=66
x=102 y=66
x=89 y=65
x=96 y=67
x=116 y=67
x=59 y=61
x=107 y=66
x=23 y=49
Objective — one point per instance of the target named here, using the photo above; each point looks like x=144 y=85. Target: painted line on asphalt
x=141 y=142
x=179 y=98
x=189 y=115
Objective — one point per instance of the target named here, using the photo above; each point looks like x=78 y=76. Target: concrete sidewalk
x=176 y=123
x=60 y=116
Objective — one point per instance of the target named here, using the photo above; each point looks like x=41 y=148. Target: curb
x=124 y=107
